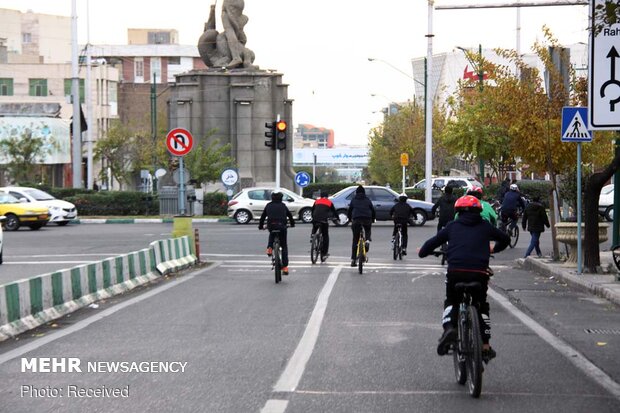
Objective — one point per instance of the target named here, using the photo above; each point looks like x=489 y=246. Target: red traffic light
x=281 y=125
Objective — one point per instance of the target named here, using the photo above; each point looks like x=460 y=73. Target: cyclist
x=322 y=209
x=446 y=207
x=468 y=254
x=400 y=213
x=276 y=214
x=362 y=214
x=488 y=213
x=511 y=204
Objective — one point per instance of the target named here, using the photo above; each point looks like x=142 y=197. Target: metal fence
x=169 y=200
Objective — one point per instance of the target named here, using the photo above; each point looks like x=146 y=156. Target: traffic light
x=281 y=134
x=270 y=135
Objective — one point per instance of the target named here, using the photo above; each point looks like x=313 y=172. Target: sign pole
x=579 y=263
x=277 y=161
x=181 y=186
x=403 y=179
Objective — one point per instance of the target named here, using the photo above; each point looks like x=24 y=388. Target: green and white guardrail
x=29 y=303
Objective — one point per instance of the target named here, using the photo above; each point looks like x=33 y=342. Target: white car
x=606 y=202
x=250 y=203
x=61 y=212
x=465 y=182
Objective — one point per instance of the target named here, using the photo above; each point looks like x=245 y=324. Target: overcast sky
x=322 y=46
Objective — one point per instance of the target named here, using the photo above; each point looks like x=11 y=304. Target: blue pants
x=534 y=244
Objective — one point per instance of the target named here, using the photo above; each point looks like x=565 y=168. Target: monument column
x=243 y=137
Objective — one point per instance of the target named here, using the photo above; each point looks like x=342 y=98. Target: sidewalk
x=606 y=285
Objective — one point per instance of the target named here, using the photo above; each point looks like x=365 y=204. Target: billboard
x=53 y=131
x=332 y=156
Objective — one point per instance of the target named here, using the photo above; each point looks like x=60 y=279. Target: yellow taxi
x=22 y=214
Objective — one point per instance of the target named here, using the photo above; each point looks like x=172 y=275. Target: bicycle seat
x=468 y=286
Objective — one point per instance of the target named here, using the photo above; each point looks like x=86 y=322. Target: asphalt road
x=325 y=339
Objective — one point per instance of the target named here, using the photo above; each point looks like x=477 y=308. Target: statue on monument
x=226 y=49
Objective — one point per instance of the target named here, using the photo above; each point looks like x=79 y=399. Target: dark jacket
x=503 y=188
x=512 y=202
x=361 y=207
x=322 y=210
x=446 y=208
x=468 y=240
x=401 y=211
x=535 y=217
x=276 y=213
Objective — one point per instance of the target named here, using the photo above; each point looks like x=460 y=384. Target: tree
x=206 y=161
x=116 y=151
x=24 y=153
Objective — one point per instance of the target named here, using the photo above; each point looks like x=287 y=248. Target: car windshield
x=337 y=194
x=8 y=199
x=39 y=195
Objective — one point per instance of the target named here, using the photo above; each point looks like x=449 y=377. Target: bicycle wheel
x=444 y=249
x=474 y=352
x=315 y=247
x=514 y=236
x=460 y=369
x=361 y=255
x=277 y=260
x=396 y=249
x=615 y=254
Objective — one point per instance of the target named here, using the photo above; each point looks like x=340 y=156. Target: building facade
x=310 y=136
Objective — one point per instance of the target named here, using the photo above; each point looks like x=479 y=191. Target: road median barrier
x=32 y=302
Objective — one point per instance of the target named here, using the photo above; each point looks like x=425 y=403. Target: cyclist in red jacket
x=322 y=210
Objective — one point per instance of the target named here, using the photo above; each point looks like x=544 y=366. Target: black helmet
x=324 y=194
x=276 y=195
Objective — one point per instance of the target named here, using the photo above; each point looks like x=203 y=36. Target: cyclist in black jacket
x=361 y=213
x=468 y=255
x=276 y=214
x=446 y=207
x=400 y=213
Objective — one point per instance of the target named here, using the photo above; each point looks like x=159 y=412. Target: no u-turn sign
x=179 y=142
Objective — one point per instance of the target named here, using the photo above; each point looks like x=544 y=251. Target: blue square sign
x=574 y=126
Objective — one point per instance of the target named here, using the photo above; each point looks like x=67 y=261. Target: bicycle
x=362 y=256
x=511 y=228
x=398 y=243
x=276 y=256
x=316 y=246
x=467 y=350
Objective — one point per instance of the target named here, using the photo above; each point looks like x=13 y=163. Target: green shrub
x=115 y=203
x=215 y=203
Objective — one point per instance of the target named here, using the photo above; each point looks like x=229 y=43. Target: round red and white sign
x=179 y=141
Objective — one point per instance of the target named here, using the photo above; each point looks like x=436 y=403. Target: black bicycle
x=397 y=241
x=511 y=228
x=316 y=246
x=276 y=256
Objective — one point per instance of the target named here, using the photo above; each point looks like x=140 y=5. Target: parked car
x=61 y=212
x=383 y=200
x=606 y=202
x=18 y=213
x=466 y=182
x=249 y=203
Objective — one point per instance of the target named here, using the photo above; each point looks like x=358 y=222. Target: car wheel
x=306 y=215
x=62 y=223
x=1 y=259
x=342 y=218
x=243 y=216
x=11 y=223
x=419 y=218
x=609 y=213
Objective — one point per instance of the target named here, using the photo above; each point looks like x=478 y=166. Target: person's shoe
x=285 y=270
x=448 y=337
x=269 y=251
x=367 y=246
x=488 y=355
x=324 y=257
x=539 y=256
x=404 y=251
x=353 y=263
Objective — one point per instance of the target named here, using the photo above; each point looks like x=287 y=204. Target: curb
x=31 y=302
x=602 y=285
x=144 y=220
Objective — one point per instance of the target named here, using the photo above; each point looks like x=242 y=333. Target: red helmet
x=468 y=203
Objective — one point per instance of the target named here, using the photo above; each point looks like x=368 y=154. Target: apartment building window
x=26 y=37
x=158 y=38
x=174 y=60
x=156 y=68
x=139 y=67
x=68 y=91
x=6 y=87
x=37 y=87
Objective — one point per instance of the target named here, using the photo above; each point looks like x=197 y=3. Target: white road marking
x=274 y=406
x=10 y=355
x=297 y=363
x=574 y=356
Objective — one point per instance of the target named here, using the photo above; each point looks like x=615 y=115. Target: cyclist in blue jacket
x=468 y=254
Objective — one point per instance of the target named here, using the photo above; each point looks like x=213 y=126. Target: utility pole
x=428 y=164
x=76 y=150
x=154 y=127
x=89 y=105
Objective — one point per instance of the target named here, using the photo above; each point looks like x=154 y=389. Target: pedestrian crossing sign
x=574 y=127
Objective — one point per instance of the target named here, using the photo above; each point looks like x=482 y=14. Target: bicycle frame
x=361 y=250
x=276 y=257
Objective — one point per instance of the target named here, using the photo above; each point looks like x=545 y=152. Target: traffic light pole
x=277 y=158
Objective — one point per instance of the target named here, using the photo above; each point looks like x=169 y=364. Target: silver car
x=250 y=203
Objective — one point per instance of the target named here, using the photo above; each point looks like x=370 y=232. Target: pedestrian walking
x=535 y=219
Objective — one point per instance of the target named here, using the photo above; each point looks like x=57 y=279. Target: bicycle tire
x=615 y=254
x=514 y=236
x=314 y=248
x=460 y=368
x=474 y=352
x=361 y=255
x=277 y=263
x=396 y=246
